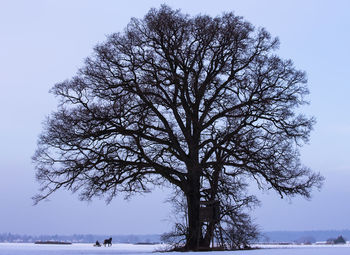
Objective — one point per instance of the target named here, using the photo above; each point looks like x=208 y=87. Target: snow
x=86 y=249
x=129 y=249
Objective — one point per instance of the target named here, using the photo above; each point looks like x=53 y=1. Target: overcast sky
x=45 y=42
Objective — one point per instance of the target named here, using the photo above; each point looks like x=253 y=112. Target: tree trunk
x=205 y=242
x=194 y=225
x=214 y=189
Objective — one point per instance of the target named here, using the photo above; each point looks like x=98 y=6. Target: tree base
x=185 y=249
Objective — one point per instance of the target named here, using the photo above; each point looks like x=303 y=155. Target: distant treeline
x=303 y=236
x=271 y=236
x=78 y=238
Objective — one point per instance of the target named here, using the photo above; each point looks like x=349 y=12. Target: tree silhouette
x=194 y=102
x=233 y=230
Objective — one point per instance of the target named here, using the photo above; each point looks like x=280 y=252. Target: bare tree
x=234 y=229
x=178 y=100
x=178 y=235
x=238 y=233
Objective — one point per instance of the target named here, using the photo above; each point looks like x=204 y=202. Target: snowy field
x=74 y=249
x=118 y=249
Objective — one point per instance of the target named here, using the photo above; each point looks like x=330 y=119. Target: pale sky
x=45 y=42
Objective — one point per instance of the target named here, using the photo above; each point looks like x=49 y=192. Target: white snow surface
x=128 y=249
x=75 y=248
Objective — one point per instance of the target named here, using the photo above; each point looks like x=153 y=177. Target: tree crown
x=174 y=97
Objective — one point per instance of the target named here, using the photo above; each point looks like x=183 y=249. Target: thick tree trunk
x=194 y=225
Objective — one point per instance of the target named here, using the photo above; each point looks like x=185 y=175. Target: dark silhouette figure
x=97 y=244
x=107 y=242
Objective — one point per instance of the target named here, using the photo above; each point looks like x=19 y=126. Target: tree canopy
x=192 y=102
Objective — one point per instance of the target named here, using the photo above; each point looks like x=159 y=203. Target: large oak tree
x=194 y=102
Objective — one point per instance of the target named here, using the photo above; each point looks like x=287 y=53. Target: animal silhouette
x=108 y=242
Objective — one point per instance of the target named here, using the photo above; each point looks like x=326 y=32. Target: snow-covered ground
x=128 y=249
x=76 y=248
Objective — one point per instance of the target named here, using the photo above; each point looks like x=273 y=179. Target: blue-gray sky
x=44 y=42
